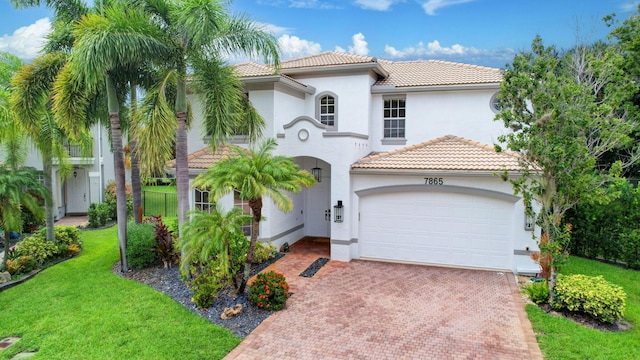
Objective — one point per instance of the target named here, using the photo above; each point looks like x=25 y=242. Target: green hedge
x=591 y=295
x=140 y=239
x=609 y=231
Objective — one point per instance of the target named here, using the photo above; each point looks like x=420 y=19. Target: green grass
x=560 y=338
x=78 y=309
x=163 y=188
x=160 y=200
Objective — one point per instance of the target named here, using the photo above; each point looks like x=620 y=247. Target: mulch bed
x=314 y=267
x=169 y=281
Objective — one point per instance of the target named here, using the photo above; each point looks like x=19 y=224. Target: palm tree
x=19 y=188
x=103 y=57
x=30 y=103
x=201 y=32
x=215 y=236
x=255 y=174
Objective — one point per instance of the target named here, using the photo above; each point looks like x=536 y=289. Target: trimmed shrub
x=141 y=239
x=270 y=291
x=205 y=286
x=263 y=252
x=110 y=199
x=538 y=292
x=36 y=247
x=591 y=295
x=21 y=265
x=64 y=235
x=99 y=214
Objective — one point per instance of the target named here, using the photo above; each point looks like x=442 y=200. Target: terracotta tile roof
x=253 y=69
x=204 y=158
x=436 y=72
x=326 y=59
x=448 y=152
x=401 y=73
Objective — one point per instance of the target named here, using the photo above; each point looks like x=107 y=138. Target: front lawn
x=560 y=338
x=80 y=310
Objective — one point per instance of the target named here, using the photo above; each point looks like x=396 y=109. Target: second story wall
x=431 y=114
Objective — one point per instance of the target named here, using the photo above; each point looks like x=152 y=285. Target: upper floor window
x=394 y=118
x=326 y=109
x=202 y=201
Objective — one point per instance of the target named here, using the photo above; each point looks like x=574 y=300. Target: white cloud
x=431 y=49
x=359 y=45
x=431 y=6
x=26 y=41
x=629 y=7
x=293 y=46
x=312 y=4
x=456 y=52
x=380 y=5
x=273 y=29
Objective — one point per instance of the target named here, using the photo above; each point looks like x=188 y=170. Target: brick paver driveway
x=376 y=310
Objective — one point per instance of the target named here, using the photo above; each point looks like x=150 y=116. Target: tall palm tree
x=10 y=135
x=255 y=174
x=30 y=102
x=216 y=235
x=201 y=33
x=19 y=188
x=102 y=57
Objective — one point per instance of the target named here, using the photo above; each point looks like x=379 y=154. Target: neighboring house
x=405 y=151
x=88 y=178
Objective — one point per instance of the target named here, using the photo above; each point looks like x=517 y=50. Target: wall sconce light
x=529 y=220
x=317 y=172
x=75 y=174
x=338 y=212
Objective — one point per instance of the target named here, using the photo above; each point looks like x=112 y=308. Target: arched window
x=327 y=110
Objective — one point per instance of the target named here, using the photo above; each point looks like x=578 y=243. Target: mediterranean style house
x=404 y=158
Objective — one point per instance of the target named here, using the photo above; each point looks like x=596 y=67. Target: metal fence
x=159 y=203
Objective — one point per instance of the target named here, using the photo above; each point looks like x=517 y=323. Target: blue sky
x=483 y=32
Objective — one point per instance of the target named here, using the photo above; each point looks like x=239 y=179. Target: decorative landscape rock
x=4 y=277
x=228 y=313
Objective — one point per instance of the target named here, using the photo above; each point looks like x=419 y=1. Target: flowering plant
x=269 y=291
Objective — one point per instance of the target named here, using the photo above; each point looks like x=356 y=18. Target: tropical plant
x=217 y=239
x=255 y=174
x=19 y=188
x=269 y=291
x=566 y=110
x=30 y=102
x=200 y=33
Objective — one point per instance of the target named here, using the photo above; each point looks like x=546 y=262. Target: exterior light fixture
x=338 y=212
x=529 y=220
x=317 y=172
x=75 y=174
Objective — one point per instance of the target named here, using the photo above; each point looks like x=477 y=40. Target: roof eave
x=465 y=173
x=308 y=89
x=386 y=89
x=374 y=66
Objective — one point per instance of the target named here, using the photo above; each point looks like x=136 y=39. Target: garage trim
x=438 y=188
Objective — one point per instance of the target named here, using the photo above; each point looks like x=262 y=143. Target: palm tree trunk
x=136 y=183
x=48 y=203
x=256 y=209
x=7 y=235
x=182 y=161
x=118 y=161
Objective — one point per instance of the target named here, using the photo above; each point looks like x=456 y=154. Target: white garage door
x=437 y=228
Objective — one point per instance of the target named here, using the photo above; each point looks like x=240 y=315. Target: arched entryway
x=317 y=199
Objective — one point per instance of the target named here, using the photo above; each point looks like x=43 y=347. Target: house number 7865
x=433 y=181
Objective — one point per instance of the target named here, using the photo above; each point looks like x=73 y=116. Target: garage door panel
x=451 y=229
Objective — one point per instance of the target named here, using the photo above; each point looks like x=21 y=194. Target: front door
x=77 y=196
x=318 y=209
